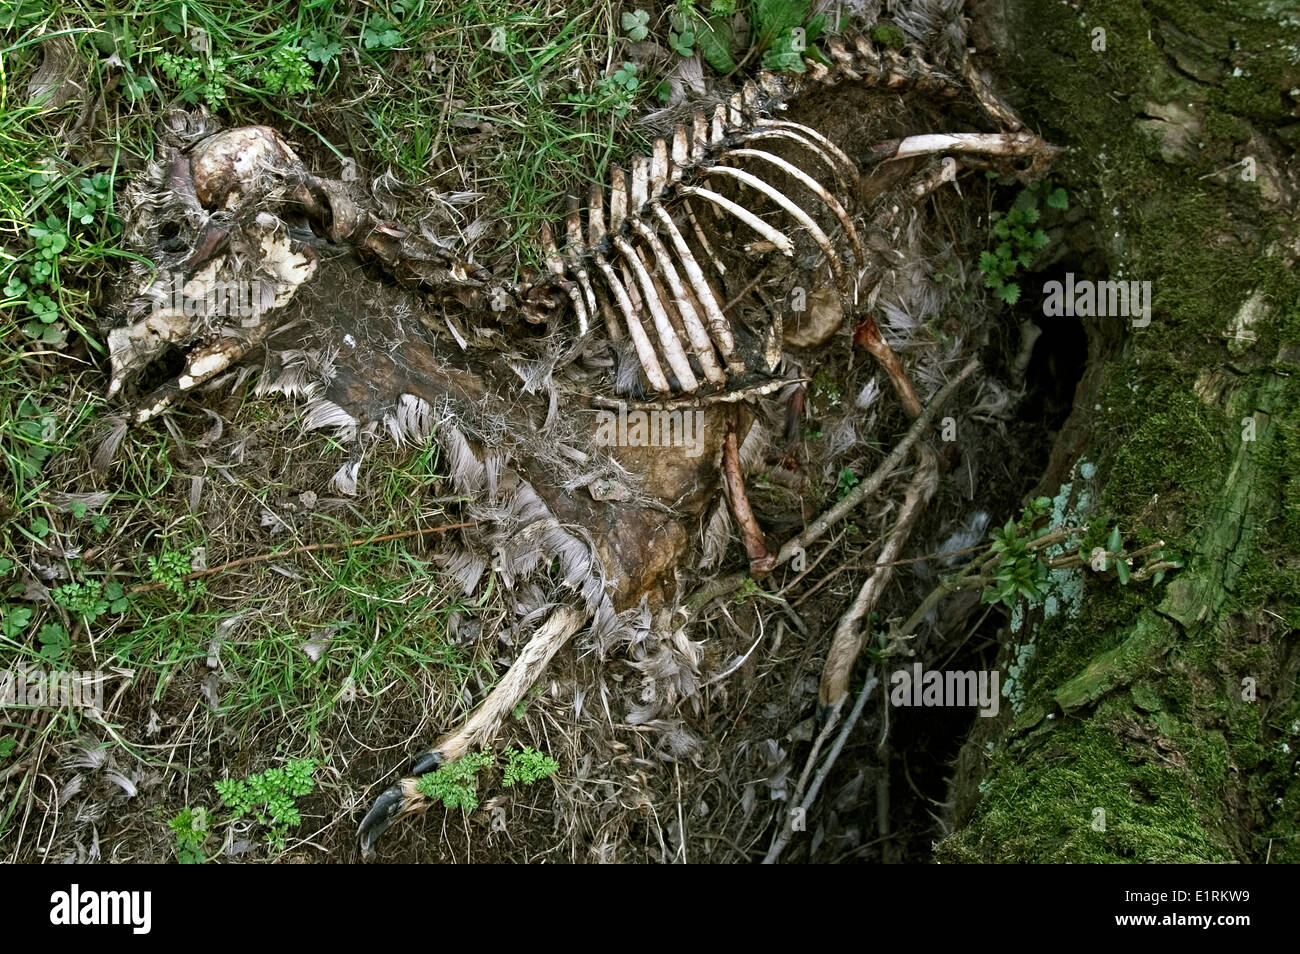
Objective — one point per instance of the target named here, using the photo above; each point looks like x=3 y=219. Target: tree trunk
x=1162 y=723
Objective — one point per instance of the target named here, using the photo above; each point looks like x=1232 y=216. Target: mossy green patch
x=1045 y=799
x=1148 y=640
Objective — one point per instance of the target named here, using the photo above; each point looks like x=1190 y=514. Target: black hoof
x=426 y=762
x=387 y=807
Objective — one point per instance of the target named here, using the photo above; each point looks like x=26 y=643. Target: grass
x=486 y=98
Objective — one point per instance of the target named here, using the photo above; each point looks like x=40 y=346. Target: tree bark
x=1162 y=723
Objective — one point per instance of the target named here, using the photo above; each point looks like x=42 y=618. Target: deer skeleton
x=634 y=268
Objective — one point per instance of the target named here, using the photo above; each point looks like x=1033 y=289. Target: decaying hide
x=379 y=333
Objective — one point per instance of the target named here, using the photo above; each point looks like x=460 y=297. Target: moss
x=1041 y=806
x=1172 y=445
x=1149 y=639
x=888 y=35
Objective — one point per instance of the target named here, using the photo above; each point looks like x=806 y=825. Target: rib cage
x=636 y=258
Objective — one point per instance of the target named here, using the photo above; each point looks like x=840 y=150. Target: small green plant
x=748 y=587
x=170 y=569
x=381 y=34
x=1156 y=560
x=878 y=648
x=614 y=93
x=785 y=34
x=14 y=621
x=116 y=42
x=826 y=390
x=845 y=483
x=781 y=32
x=197 y=79
x=1017 y=241
x=269 y=797
x=94 y=196
x=54 y=642
x=287 y=72
x=322 y=47
x=28 y=439
x=1023 y=568
x=33 y=283
x=91 y=598
x=456 y=783
x=190 y=826
x=636 y=24
x=1019 y=571
x=682 y=35
x=98 y=522
x=521 y=706
x=526 y=766
x=7 y=746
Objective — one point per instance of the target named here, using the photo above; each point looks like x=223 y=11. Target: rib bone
x=718 y=326
x=672 y=345
x=644 y=350
x=799 y=215
x=555 y=264
x=695 y=329
x=777 y=238
x=808 y=144
x=814 y=187
x=848 y=165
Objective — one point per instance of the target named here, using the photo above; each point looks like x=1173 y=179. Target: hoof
x=383 y=812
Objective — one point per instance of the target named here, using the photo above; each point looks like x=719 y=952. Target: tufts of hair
x=468 y=473
x=715 y=536
x=935 y=27
x=107 y=441
x=344 y=480
x=322 y=413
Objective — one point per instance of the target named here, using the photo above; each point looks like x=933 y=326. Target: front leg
x=405 y=798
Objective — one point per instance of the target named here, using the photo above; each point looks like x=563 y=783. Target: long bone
x=778 y=239
x=595 y=233
x=991 y=144
x=847 y=164
x=756 y=135
x=573 y=258
x=555 y=264
x=645 y=351
x=695 y=330
x=202 y=365
x=719 y=328
x=668 y=340
x=404 y=798
x=649 y=176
